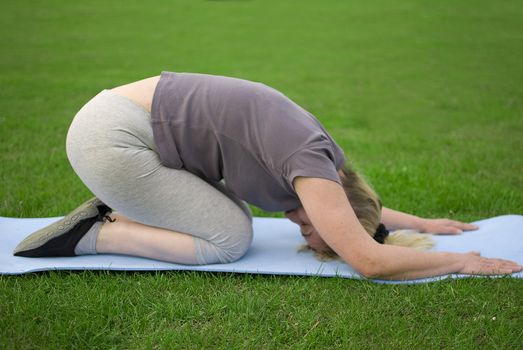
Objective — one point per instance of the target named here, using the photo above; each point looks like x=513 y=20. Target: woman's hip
x=105 y=122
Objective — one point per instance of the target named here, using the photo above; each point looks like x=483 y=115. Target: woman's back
x=245 y=132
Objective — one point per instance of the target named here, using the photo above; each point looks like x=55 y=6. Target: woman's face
x=299 y=217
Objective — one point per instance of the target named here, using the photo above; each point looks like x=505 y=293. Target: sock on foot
x=87 y=245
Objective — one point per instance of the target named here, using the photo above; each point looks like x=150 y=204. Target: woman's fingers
x=464 y=226
x=454 y=230
x=494 y=261
x=460 y=225
x=496 y=271
x=507 y=263
x=448 y=227
x=447 y=230
x=498 y=268
x=477 y=265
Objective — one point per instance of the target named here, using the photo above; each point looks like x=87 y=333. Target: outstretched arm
x=328 y=208
x=394 y=219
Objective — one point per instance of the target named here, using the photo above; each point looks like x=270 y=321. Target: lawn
x=426 y=99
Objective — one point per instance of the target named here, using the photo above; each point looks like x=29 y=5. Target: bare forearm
x=394 y=219
x=396 y=263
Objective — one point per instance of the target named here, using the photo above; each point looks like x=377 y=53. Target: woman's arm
x=328 y=208
x=394 y=219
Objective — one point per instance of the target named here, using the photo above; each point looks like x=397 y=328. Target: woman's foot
x=61 y=237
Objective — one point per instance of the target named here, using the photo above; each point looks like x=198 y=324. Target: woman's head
x=309 y=233
x=367 y=207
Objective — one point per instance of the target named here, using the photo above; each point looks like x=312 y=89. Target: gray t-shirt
x=250 y=135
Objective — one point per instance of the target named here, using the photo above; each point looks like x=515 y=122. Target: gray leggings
x=111 y=148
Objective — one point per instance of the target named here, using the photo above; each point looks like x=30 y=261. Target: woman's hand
x=474 y=264
x=444 y=226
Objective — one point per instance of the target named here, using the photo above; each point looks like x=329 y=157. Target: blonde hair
x=367 y=207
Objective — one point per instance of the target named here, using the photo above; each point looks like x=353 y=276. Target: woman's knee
x=240 y=243
x=231 y=247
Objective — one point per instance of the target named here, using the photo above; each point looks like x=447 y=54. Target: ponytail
x=410 y=239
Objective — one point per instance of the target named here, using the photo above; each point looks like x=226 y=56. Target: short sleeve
x=317 y=161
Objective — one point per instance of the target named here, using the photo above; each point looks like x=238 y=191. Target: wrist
x=419 y=224
x=457 y=261
x=395 y=220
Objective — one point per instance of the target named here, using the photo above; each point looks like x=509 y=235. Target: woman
x=155 y=152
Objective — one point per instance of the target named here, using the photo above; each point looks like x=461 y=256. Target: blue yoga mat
x=273 y=251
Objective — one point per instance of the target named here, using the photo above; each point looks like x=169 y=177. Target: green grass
x=426 y=99
x=204 y=310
